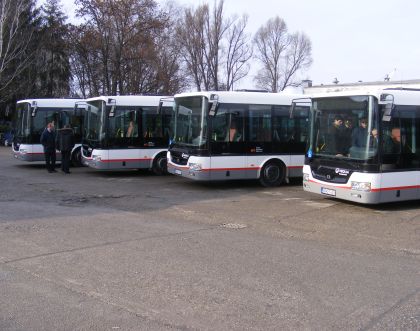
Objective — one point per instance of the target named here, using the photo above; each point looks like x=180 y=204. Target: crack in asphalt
x=107 y=244
x=397 y=305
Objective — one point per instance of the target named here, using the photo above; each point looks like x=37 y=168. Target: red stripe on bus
x=396 y=188
x=42 y=153
x=228 y=169
x=124 y=160
x=374 y=189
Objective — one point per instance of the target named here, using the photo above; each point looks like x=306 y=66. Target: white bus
x=31 y=118
x=376 y=158
x=237 y=135
x=126 y=132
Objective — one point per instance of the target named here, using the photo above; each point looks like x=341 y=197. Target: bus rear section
x=126 y=132
x=31 y=118
x=378 y=159
x=237 y=135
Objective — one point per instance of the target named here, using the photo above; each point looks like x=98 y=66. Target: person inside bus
x=348 y=131
x=360 y=134
x=48 y=142
x=392 y=143
x=233 y=134
x=131 y=129
x=336 y=143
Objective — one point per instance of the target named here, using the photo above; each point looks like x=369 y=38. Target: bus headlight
x=195 y=166
x=361 y=186
x=96 y=158
x=22 y=151
x=306 y=177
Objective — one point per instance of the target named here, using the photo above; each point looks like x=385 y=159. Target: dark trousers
x=50 y=160
x=65 y=160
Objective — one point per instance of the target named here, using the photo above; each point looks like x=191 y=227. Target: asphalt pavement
x=134 y=251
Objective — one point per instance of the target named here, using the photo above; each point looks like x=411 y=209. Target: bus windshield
x=190 y=123
x=344 y=127
x=30 y=127
x=93 y=121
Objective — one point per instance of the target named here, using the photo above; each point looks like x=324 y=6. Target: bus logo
x=342 y=172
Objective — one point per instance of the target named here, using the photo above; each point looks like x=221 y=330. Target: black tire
x=272 y=174
x=160 y=165
x=76 y=158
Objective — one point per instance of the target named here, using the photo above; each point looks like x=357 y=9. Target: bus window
x=260 y=123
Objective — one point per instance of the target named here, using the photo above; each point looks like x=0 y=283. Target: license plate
x=328 y=191
x=178 y=172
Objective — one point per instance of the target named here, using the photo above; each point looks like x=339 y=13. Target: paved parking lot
x=134 y=251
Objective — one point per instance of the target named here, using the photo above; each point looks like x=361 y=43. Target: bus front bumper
x=187 y=172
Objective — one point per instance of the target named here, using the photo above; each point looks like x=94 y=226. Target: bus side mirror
x=159 y=108
x=213 y=108
x=34 y=108
x=113 y=103
x=387 y=115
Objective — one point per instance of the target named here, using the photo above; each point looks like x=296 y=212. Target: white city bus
x=375 y=160
x=126 y=132
x=237 y=135
x=31 y=118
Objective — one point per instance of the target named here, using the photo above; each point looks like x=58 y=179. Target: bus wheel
x=272 y=174
x=160 y=165
x=76 y=158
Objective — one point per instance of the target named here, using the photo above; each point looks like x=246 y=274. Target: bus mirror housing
x=34 y=108
x=159 y=108
x=215 y=99
x=387 y=114
x=113 y=104
x=388 y=107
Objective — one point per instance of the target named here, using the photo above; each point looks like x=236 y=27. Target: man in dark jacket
x=65 y=144
x=48 y=142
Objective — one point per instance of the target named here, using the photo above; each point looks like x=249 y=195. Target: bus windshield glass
x=190 y=123
x=93 y=121
x=344 y=127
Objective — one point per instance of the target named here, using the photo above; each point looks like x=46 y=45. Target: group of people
x=343 y=137
x=63 y=141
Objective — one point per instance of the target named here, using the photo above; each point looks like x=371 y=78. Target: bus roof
x=246 y=97
x=51 y=103
x=130 y=100
x=402 y=96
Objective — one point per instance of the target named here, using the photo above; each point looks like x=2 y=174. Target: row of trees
x=135 y=46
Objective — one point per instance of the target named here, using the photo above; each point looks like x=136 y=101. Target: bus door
x=260 y=137
x=124 y=138
x=401 y=151
x=227 y=143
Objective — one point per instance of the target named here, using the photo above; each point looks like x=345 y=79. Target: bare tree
x=298 y=57
x=15 y=38
x=238 y=53
x=280 y=54
x=192 y=44
x=214 y=48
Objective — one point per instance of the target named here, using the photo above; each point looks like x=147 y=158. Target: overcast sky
x=351 y=39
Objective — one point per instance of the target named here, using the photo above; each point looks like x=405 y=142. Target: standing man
x=48 y=142
x=65 y=144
